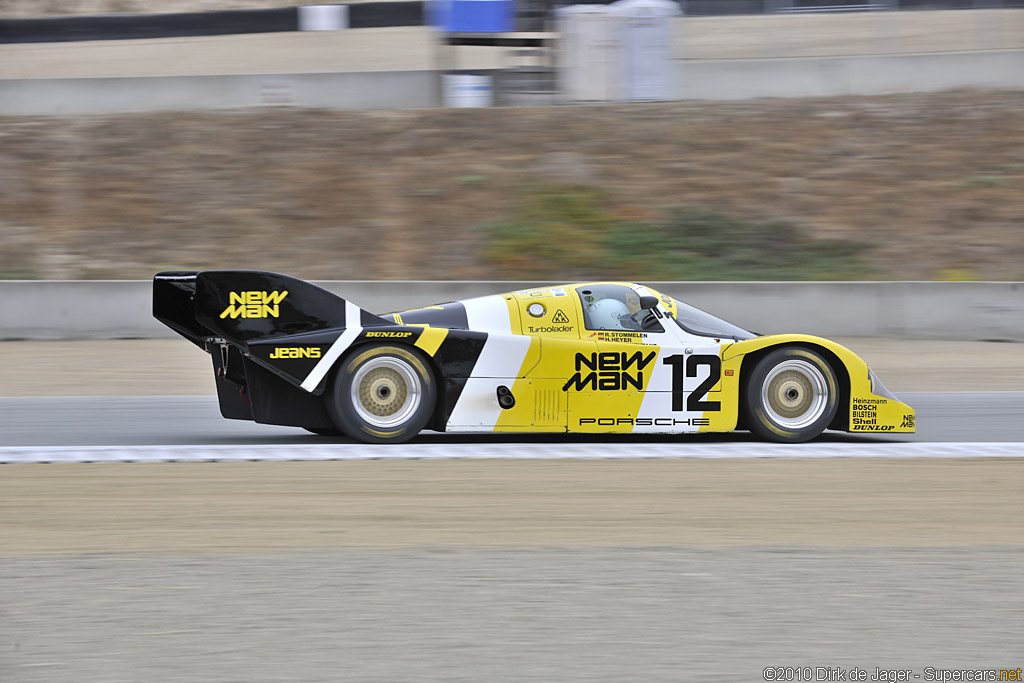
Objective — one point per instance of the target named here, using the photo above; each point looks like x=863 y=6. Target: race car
x=600 y=357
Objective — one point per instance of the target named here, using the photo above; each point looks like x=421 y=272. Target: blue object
x=473 y=16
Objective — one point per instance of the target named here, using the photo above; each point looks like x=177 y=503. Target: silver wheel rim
x=385 y=392
x=794 y=394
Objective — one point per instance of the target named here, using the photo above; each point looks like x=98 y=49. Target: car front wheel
x=791 y=396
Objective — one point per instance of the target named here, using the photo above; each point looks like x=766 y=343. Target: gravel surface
x=609 y=614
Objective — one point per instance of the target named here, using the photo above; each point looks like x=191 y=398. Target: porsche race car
x=602 y=357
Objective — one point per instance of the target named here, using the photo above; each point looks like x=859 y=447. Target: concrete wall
x=922 y=310
x=76 y=96
x=696 y=80
x=743 y=79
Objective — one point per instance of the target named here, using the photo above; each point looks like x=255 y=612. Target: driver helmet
x=608 y=314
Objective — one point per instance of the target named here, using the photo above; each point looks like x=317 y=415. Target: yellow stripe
x=398 y=318
x=525 y=416
x=514 y=322
x=431 y=338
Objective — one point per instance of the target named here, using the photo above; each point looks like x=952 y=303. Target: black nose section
x=505 y=398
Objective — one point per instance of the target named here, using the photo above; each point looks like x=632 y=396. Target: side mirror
x=648 y=302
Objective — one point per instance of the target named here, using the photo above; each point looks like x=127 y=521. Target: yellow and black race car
x=602 y=357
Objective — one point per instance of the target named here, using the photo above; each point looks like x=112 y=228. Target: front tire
x=382 y=394
x=791 y=396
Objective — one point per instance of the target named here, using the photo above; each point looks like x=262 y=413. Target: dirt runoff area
x=270 y=507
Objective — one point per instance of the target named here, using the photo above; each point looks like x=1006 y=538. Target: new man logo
x=295 y=352
x=254 y=304
x=559 y=318
x=610 y=371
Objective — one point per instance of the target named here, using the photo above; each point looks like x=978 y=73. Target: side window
x=613 y=308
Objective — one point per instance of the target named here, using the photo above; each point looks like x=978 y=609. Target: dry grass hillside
x=900 y=187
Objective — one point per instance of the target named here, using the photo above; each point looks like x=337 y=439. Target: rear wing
x=174 y=295
x=244 y=305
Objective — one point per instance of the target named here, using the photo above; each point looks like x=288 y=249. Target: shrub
x=570 y=233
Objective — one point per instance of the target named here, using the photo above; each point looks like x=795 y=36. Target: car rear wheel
x=791 y=396
x=382 y=394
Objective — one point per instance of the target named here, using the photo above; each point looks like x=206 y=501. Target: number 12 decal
x=694 y=402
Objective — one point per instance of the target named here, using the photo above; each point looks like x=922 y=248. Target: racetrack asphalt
x=184 y=420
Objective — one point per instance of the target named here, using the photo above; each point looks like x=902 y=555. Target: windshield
x=696 y=321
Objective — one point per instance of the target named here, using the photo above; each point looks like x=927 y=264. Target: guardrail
x=968 y=311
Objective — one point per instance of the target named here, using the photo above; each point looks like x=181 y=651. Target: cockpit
x=617 y=308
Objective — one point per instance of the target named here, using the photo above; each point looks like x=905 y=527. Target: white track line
x=504 y=451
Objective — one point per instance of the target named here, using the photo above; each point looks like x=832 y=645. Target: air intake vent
x=547 y=407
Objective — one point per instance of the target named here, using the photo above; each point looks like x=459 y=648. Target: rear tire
x=382 y=394
x=791 y=396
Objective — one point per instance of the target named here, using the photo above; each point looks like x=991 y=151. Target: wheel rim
x=795 y=394
x=386 y=392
